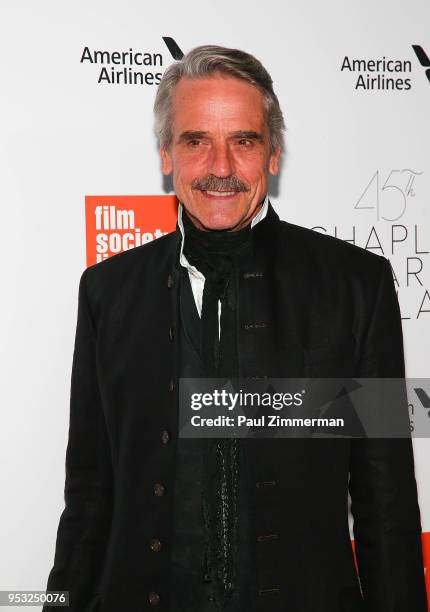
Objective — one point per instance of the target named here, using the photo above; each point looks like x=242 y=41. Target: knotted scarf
x=216 y=253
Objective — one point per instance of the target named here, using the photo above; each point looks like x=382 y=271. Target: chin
x=219 y=222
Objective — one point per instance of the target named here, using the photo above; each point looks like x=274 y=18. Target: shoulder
x=146 y=263
x=327 y=254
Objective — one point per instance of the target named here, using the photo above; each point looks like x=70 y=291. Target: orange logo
x=119 y=223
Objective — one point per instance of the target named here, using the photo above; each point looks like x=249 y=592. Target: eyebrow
x=195 y=134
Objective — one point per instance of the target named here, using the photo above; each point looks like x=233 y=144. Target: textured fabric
x=190 y=590
x=215 y=255
x=197 y=279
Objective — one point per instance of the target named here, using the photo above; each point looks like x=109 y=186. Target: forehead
x=217 y=102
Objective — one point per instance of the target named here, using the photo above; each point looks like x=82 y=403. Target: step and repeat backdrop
x=81 y=181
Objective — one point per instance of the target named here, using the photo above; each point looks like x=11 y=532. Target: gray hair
x=207 y=60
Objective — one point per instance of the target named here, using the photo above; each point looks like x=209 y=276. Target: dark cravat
x=215 y=254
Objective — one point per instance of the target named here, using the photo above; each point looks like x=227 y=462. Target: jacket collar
x=266 y=211
x=256 y=305
x=184 y=261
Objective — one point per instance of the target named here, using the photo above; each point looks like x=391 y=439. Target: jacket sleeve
x=387 y=528
x=84 y=524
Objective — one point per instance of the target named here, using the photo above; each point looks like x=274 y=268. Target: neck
x=208 y=249
x=242 y=225
x=213 y=239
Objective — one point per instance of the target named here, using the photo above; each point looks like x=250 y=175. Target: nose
x=221 y=163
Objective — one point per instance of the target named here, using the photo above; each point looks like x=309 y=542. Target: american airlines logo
x=424 y=398
x=423 y=59
x=129 y=66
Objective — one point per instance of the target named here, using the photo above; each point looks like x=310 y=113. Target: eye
x=194 y=142
x=245 y=142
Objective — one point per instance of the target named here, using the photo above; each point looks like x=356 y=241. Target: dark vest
x=191 y=590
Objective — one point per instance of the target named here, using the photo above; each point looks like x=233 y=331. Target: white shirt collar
x=184 y=261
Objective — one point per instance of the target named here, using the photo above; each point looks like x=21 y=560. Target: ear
x=166 y=161
x=274 y=161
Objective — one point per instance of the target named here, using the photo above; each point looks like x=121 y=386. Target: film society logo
x=130 y=66
x=118 y=223
x=385 y=74
x=385 y=210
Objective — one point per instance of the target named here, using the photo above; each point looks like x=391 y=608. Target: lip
x=224 y=198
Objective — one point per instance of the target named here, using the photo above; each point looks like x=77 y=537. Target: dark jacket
x=309 y=305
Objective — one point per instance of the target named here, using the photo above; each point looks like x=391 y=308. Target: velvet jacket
x=308 y=305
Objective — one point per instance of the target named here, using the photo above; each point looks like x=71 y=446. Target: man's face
x=220 y=154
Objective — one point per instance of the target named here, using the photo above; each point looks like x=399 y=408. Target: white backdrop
x=65 y=136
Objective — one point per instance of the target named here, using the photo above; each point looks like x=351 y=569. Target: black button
x=169 y=281
x=265 y=483
x=269 y=536
x=247 y=275
x=159 y=489
x=267 y=591
x=165 y=436
x=154 y=598
x=155 y=545
x=171 y=332
x=261 y=325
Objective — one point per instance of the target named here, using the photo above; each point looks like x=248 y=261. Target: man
x=153 y=521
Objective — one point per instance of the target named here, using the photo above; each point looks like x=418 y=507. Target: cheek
x=190 y=167
x=251 y=167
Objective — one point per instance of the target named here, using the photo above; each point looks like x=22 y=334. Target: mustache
x=216 y=183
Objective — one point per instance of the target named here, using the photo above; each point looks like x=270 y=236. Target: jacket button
x=247 y=275
x=154 y=598
x=171 y=333
x=272 y=590
x=165 y=436
x=261 y=325
x=265 y=483
x=269 y=536
x=155 y=545
x=169 y=281
x=159 y=489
